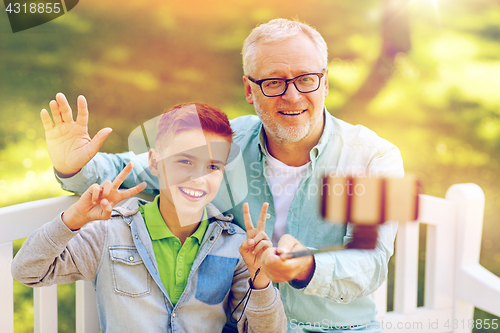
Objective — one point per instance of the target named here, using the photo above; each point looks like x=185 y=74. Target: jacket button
x=173 y=314
x=131 y=258
x=179 y=273
x=212 y=238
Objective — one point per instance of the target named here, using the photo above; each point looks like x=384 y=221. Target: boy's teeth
x=192 y=192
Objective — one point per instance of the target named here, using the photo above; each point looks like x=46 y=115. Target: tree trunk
x=395 y=32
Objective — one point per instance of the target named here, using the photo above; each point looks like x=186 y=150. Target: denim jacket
x=117 y=256
x=339 y=291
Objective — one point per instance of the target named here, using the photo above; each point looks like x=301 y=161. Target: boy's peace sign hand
x=98 y=201
x=256 y=243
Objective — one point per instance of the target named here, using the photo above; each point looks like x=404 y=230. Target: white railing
x=17 y=222
x=455 y=283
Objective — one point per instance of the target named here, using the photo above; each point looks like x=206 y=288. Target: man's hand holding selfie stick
x=364 y=202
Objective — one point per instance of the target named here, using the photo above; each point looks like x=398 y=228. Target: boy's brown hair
x=187 y=116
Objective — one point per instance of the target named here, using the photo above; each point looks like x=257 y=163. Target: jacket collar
x=131 y=206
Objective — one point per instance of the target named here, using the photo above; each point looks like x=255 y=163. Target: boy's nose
x=199 y=176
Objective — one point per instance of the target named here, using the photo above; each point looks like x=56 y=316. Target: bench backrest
x=455 y=283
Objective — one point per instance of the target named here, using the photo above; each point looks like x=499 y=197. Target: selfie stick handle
x=290 y=255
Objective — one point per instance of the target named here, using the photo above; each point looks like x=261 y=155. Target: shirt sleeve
x=106 y=167
x=264 y=311
x=53 y=254
x=348 y=274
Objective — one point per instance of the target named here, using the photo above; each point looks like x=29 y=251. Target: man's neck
x=172 y=220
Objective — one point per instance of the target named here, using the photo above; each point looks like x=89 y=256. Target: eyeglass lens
x=304 y=83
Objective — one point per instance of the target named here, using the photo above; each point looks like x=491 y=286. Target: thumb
x=98 y=139
x=247 y=244
x=286 y=243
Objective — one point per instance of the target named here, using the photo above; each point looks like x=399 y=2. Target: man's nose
x=291 y=94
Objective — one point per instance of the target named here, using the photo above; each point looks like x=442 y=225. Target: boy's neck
x=169 y=214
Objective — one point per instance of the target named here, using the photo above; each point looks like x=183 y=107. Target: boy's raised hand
x=98 y=201
x=256 y=243
x=68 y=142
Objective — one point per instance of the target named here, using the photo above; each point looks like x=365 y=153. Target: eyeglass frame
x=259 y=83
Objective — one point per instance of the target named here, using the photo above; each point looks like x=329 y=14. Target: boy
x=169 y=265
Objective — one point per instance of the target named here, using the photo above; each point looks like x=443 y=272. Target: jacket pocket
x=215 y=276
x=130 y=276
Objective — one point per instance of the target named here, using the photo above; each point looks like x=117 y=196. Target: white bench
x=455 y=283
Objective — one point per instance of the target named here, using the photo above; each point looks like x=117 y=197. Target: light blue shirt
x=339 y=291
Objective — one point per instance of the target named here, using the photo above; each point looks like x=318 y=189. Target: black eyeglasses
x=304 y=83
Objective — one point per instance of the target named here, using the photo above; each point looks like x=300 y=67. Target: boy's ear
x=153 y=162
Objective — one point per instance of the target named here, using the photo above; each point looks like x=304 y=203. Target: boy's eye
x=214 y=167
x=187 y=162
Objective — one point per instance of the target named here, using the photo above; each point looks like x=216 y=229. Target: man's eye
x=186 y=162
x=214 y=167
x=273 y=83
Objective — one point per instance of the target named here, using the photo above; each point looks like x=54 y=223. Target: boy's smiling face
x=190 y=170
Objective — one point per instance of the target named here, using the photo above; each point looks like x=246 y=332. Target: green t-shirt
x=173 y=258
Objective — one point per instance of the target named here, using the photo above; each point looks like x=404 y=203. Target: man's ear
x=326 y=83
x=153 y=162
x=248 y=89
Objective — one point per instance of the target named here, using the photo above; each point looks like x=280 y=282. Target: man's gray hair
x=278 y=30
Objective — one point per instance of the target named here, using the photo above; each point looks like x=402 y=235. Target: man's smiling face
x=293 y=116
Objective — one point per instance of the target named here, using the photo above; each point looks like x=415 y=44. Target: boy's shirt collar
x=157 y=227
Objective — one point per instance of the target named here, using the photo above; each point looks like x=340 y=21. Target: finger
x=262 y=246
x=260 y=236
x=286 y=243
x=96 y=143
x=56 y=113
x=246 y=244
x=46 y=121
x=268 y=258
x=122 y=175
x=107 y=186
x=64 y=108
x=83 y=112
x=96 y=191
x=106 y=208
x=247 y=218
x=261 y=224
x=132 y=191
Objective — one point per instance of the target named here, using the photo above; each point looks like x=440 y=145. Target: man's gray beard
x=284 y=134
